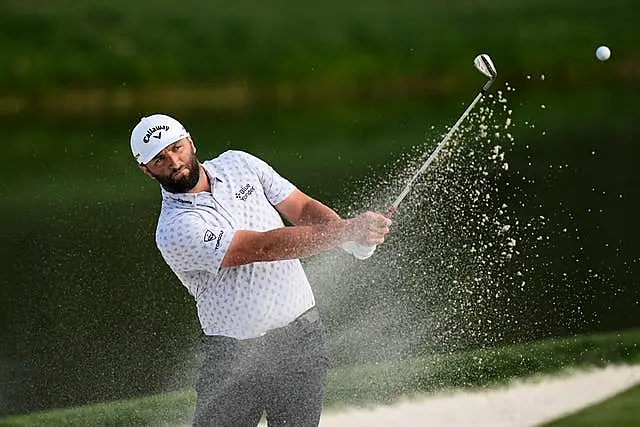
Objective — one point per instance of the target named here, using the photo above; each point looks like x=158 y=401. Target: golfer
x=221 y=232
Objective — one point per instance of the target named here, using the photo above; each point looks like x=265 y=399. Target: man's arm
x=250 y=246
x=317 y=228
x=300 y=209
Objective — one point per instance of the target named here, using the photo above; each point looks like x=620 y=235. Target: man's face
x=176 y=167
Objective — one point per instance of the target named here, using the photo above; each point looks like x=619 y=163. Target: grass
x=383 y=383
x=162 y=410
x=621 y=410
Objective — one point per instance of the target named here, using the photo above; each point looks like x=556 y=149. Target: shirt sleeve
x=276 y=188
x=189 y=243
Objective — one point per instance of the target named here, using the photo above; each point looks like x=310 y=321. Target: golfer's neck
x=203 y=182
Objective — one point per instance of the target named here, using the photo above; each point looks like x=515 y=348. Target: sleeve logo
x=209 y=236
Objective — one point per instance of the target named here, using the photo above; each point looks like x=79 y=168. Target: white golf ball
x=603 y=53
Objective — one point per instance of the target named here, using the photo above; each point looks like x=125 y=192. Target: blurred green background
x=341 y=98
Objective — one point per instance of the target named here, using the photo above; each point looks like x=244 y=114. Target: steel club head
x=484 y=64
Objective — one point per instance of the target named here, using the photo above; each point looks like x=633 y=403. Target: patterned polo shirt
x=194 y=232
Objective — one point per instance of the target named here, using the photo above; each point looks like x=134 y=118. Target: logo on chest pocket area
x=245 y=191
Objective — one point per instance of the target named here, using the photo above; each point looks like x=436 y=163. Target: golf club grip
x=390 y=211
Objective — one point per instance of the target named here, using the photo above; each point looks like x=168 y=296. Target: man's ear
x=145 y=169
x=193 y=146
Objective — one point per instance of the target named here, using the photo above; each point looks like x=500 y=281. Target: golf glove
x=357 y=250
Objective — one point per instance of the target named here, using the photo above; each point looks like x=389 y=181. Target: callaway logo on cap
x=153 y=134
x=150 y=132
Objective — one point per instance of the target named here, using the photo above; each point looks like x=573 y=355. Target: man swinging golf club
x=221 y=232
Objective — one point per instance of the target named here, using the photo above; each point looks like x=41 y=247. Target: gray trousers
x=282 y=372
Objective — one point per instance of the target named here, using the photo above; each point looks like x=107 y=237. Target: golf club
x=484 y=64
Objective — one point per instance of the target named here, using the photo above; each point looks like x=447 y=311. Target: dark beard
x=183 y=184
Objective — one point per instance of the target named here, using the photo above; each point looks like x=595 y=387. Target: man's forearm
x=303 y=241
x=300 y=209
x=286 y=242
x=314 y=212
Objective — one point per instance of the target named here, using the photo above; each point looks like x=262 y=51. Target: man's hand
x=369 y=228
x=367 y=231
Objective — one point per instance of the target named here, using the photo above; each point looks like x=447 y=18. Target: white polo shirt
x=195 y=230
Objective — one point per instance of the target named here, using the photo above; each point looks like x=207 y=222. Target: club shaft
x=435 y=152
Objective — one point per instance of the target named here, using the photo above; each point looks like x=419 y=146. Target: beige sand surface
x=524 y=403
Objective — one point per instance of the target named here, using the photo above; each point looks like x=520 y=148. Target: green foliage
x=383 y=382
x=122 y=44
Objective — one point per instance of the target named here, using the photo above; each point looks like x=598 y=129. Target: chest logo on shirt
x=245 y=191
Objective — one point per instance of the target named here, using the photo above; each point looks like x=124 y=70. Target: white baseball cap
x=153 y=134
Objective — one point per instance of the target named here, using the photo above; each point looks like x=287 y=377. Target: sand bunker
x=520 y=404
